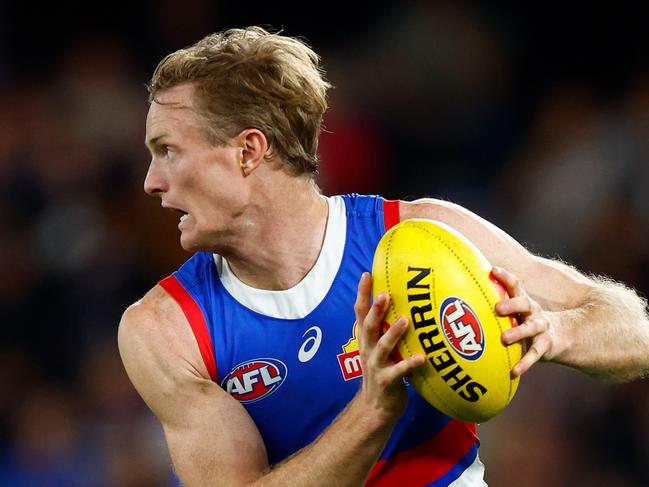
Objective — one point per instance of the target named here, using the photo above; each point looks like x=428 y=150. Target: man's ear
x=254 y=148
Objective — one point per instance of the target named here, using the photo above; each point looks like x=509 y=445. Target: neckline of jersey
x=300 y=300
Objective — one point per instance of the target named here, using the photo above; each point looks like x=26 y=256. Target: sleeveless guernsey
x=291 y=357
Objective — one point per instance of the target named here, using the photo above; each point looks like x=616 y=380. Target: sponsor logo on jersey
x=350 y=359
x=255 y=379
x=311 y=345
x=461 y=327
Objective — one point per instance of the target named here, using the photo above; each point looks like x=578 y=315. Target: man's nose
x=155 y=182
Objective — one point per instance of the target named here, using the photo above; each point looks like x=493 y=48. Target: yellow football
x=443 y=284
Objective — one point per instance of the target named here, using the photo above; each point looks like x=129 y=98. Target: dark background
x=535 y=117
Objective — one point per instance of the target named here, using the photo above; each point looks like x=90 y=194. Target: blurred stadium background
x=535 y=117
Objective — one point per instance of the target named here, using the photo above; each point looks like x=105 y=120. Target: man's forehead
x=164 y=112
x=172 y=104
x=180 y=95
x=172 y=112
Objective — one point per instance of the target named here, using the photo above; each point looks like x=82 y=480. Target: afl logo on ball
x=253 y=380
x=462 y=328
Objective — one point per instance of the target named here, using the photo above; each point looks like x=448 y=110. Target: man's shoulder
x=155 y=306
x=156 y=327
x=159 y=352
x=433 y=209
x=147 y=322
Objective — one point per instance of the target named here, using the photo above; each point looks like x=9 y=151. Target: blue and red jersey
x=291 y=357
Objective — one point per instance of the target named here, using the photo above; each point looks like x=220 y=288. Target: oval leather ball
x=443 y=284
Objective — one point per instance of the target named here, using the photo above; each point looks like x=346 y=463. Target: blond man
x=249 y=354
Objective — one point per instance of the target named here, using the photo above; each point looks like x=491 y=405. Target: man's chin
x=189 y=244
x=193 y=245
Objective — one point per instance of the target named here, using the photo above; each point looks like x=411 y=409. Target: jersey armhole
x=196 y=321
x=390 y=213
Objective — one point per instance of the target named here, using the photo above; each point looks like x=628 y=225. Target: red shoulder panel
x=196 y=320
x=390 y=213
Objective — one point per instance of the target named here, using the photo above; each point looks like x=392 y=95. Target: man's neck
x=281 y=237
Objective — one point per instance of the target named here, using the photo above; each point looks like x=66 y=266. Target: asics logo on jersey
x=253 y=380
x=311 y=345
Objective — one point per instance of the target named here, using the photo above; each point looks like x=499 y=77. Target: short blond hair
x=251 y=78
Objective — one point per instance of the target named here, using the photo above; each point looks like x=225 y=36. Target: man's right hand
x=383 y=388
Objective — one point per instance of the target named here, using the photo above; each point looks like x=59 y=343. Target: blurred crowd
x=539 y=123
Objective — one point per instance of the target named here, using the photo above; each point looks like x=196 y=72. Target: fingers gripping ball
x=442 y=283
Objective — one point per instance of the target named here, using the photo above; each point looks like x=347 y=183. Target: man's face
x=201 y=181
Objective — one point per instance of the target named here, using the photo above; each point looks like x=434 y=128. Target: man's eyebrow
x=154 y=140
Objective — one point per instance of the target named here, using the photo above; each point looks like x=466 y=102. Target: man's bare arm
x=200 y=421
x=212 y=439
x=590 y=323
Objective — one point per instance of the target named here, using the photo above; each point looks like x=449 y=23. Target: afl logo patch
x=255 y=379
x=462 y=329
